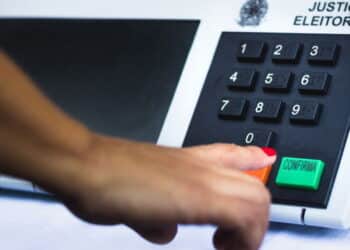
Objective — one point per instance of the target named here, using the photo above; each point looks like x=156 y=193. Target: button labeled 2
x=286 y=52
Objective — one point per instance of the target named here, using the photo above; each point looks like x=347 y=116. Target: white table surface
x=31 y=224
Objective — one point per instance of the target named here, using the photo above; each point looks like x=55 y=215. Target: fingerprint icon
x=252 y=12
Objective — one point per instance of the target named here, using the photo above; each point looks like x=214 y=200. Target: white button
x=39 y=190
x=15 y=184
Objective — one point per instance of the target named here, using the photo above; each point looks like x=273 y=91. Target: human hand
x=152 y=189
x=104 y=180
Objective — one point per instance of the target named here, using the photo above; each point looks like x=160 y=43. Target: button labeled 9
x=296 y=109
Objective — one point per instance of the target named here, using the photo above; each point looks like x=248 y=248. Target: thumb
x=234 y=156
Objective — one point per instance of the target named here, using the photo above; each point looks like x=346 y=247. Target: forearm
x=38 y=141
x=110 y=181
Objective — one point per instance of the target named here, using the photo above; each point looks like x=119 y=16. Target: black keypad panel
x=286 y=91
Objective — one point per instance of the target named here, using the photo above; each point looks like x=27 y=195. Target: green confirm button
x=300 y=173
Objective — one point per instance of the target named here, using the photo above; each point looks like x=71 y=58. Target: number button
x=323 y=53
x=306 y=112
x=268 y=110
x=244 y=79
x=278 y=81
x=260 y=138
x=314 y=83
x=251 y=51
x=233 y=108
x=286 y=52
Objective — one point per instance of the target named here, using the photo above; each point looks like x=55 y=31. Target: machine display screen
x=116 y=76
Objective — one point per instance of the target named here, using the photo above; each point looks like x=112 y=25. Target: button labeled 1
x=251 y=51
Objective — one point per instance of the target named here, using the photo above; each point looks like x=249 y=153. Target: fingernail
x=269 y=151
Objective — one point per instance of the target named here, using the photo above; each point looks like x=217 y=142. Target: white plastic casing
x=215 y=17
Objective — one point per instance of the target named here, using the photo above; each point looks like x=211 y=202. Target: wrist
x=63 y=170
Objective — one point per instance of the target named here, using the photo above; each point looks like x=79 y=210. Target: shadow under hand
x=306 y=231
x=17 y=195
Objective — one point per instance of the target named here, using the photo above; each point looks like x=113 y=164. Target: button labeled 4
x=242 y=79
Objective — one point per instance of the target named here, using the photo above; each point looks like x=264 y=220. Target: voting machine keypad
x=286 y=91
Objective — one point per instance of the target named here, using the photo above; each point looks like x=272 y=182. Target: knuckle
x=195 y=208
x=226 y=153
x=263 y=197
x=227 y=148
x=256 y=153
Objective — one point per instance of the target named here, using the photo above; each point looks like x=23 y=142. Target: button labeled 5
x=277 y=81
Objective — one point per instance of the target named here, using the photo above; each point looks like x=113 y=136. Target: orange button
x=262 y=174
